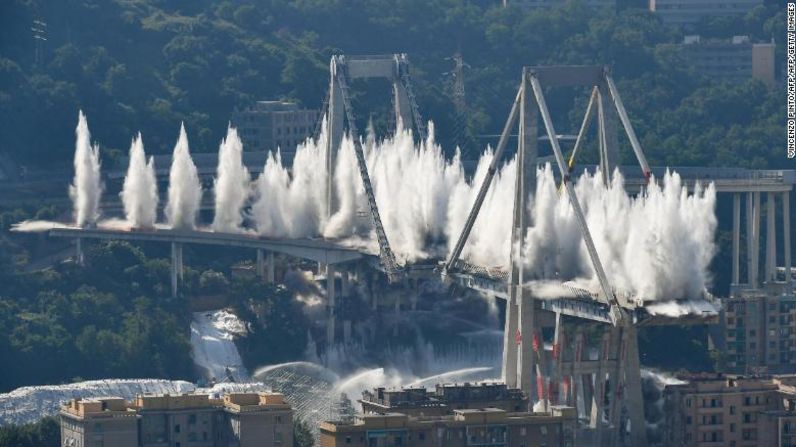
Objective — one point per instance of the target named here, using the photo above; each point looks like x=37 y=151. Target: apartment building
x=268 y=125
x=760 y=330
x=731 y=411
x=443 y=400
x=484 y=427
x=193 y=420
x=691 y=12
x=730 y=60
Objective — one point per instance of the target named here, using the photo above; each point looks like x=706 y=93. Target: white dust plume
x=424 y=200
x=86 y=188
x=185 y=190
x=656 y=245
x=140 y=191
x=231 y=184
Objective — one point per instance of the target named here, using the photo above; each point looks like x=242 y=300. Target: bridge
x=610 y=386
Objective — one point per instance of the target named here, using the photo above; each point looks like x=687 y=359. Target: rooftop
x=116 y=406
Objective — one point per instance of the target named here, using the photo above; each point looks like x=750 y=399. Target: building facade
x=760 y=330
x=486 y=427
x=731 y=411
x=729 y=60
x=269 y=125
x=237 y=420
x=443 y=400
x=690 y=12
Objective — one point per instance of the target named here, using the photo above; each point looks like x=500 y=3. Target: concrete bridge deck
x=317 y=250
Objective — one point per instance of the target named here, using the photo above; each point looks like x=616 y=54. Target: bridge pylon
x=338 y=110
x=524 y=356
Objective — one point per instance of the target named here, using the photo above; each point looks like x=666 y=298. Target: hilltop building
x=268 y=125
x=240 y=420
x=731 y=411
x=730 y=60
x=690 y=12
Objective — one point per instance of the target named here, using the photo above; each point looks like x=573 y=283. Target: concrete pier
x=176 y=267
x=79 y=256
x=331 y=303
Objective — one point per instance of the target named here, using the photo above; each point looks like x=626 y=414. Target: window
x=543 y=430
x=523 y=431
x=177 y=428
x=191 y=419
x=348 y=439
x=732 y=427
x=421 y=436
x=278 y=419
x=278 y=438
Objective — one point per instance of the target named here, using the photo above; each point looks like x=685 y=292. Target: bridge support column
x=786 y=237
x=265 y=270
x=558 y=390
x=756 y=239
x=331 y=304
x=529 y=347
x=771 y=238
x=347 y=332
x=334 y=132
x=345 y=304
x=260 y=266
x=753 y=237
x=615 y=379
x=576 y=375
x=79 y=257
x=598 y=396
x=403 y=110
x=634 y=399
x=270 y=276
x=736 y=238
x=176 y=267
x=520 y=306
x=374 y=291
x=397 y=314
x=413 y=292
x=510 y=343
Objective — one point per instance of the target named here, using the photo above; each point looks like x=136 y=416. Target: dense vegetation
x=115 y=317
x=44 y=433
x=149 y=64
x=108 y=320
